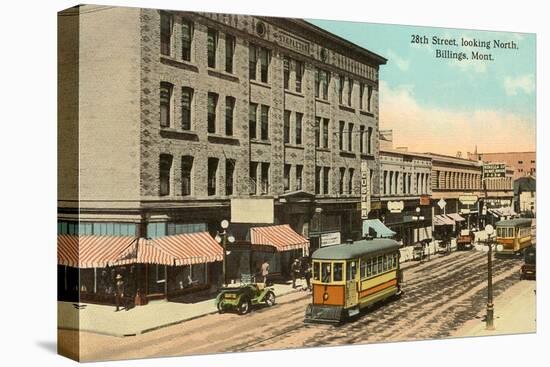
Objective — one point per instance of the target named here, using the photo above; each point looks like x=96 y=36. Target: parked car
x=529 y=268
x=242 y=297
x=465 y=240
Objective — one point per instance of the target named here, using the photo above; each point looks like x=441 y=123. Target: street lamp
x=223 y=238
x=418 y=218
x=489 y=230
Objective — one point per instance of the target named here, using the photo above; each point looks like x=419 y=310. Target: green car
x=242 y=297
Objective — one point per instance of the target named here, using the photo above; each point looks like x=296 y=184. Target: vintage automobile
x=241 y=297
x=529 y=268
x=465 y=240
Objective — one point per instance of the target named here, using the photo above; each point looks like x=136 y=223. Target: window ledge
x=223 y=75
x=288 y=145
x=321 y=149
x=345 y=153
x=346 y=108
x=222 y=139
x=366 y=113
x=258 y=141
x=167 y=132
x=367 y=156
x=168 y=60
x=294 y=93
x=260 y=84
x=320 y=100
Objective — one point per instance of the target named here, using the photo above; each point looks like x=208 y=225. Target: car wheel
x=270 y=299
x=244 y=307
x=220 y=307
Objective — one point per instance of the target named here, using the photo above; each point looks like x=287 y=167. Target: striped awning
x=443 y=220
x=281 y=236
x=456 y=217
x=190 y=248
x=92 y=251
x=144 y=251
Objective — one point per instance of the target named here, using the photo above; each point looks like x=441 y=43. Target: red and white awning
x=190 y=248
x=282 y=237
x=442 y=220
x=92 y=251
x=144 y=251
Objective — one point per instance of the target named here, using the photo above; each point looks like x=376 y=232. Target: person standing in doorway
x=265 y=271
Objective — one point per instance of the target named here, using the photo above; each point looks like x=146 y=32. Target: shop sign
x=424 y=200
x=396 y=206
x=494 y=170
x=330 y=239
x=365 y=190
x=468 y=199
x=441 y=203
x=465 y=211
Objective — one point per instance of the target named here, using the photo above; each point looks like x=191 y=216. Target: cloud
x=401 y=63
x=447 y=131
x=524 y=83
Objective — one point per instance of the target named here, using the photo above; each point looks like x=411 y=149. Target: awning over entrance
x=91 y=251
x=144 y=251
x=456 y=217
x=443 y=220
x=379 y=227
x=282 y=237
x=502 y=212
x=190 y=248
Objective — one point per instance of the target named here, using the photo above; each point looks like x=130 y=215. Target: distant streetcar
x=514 y=235
x=350 y=277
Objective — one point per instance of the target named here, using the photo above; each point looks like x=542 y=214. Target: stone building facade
x=178 y=112
x=523 y=163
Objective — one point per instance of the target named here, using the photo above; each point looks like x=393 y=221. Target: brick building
x=523 y=163
x=165 y=116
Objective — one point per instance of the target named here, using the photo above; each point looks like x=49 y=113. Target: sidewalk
x=515 y=313
x=103 y=319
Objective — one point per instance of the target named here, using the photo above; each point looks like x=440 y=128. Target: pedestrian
x=295 y=271
x=307 y=275
x=119 y=289
x=265 y=271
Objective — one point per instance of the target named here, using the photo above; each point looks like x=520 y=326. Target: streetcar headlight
x=325 y=296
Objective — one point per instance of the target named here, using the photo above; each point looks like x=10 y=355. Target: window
x=229 y=109
x=326 y=180
x=186 y=174
x=212 y=175
x=350 y=180
x=252 y=120
x=186 y=103
x=212 y=106
x=317 y=180
x=325 y=133
x=299 y=171
x=265 y=178
x=341 y=135
x=229 y=52
x=369 y=98
x=252 y=61
x=286 y=72
x=326 y=273
x=212 y=45
x=350 y=137
x=317 y=131
x=165 y=104
x=520 y=162
x=324 y=80
x=341 y=184
x=369 y=267
x=298 y=126
x=351 y=270
x=317 y=83
x=350 y=91
x=165 y=34
x=316 y=270
x=369 y=140
x=362 y=139
x=229 y=173
x=186 y=39
x=253 y=177
x=264 y=64
x=338 y=272
x=286 y=127
x=165 y=171
x=265 y=123
x=341 y=89
x=286 y=178
x=299 y=75
x=361 y=94
x=385 y=182
x=379 y=270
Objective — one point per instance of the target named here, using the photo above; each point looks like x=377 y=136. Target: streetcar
x=514 y=235
x=351 y=277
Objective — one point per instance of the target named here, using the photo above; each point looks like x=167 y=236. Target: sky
x=446 y=106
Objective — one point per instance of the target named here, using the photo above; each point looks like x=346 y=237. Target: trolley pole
x=490 y=307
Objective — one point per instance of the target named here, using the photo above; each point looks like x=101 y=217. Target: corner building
x=175 y=113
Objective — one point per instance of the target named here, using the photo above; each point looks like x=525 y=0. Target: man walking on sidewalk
x=295 y=271
x=265 y=271
x=119 y=295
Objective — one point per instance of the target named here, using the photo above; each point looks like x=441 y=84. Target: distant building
x=525 y=195
x=523 y=163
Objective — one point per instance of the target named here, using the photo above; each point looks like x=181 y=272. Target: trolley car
x=350 y=277
x=514 y=235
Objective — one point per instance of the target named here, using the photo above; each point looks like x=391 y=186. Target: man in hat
x=295 y=271
x=264 y=271
x=119 y=295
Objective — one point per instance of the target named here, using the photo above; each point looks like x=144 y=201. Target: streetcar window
x=395 y=257
x=379 y=264
x=326 y=273
x=499 y=232
x=384 y=263
x=338 y=272
x=351 y=270
x=374 y=266
x=316 y=271
x=363 y=268
x=369 y=267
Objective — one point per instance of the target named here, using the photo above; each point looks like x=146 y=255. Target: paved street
x=441 y=296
